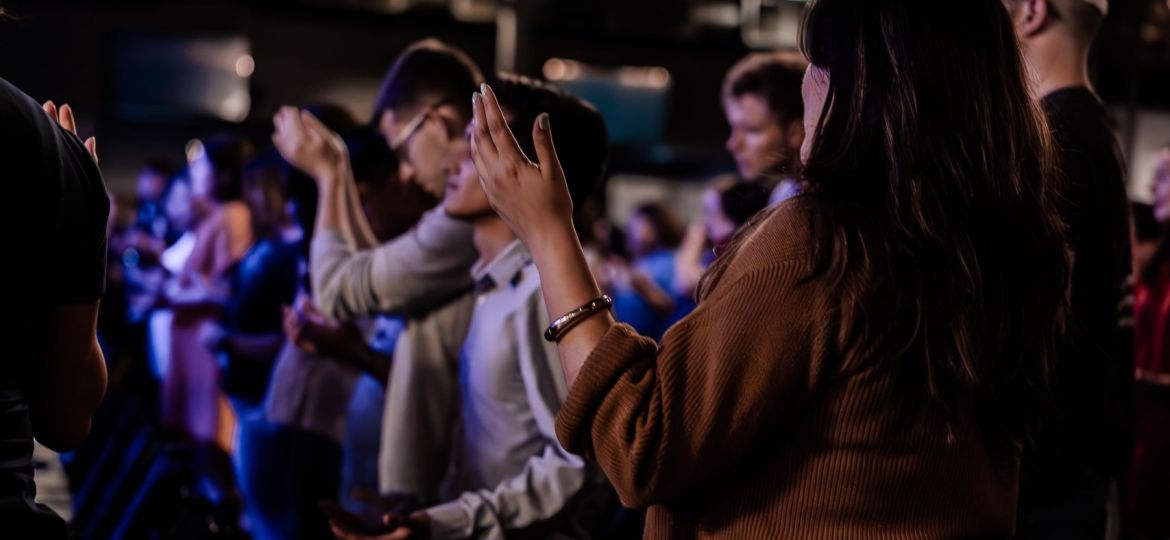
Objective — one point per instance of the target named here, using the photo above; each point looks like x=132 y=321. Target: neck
x=491 y=236
x=1056 y=62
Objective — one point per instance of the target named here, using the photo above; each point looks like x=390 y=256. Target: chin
x=455 y=213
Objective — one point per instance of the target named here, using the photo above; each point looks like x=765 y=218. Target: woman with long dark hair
x=867 y=358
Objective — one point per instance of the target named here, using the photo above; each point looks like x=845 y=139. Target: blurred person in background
x=326 y=393
x=727 y=205
x=1147 y=235
x=192 y=397
x=644 y=297
x=1148 y=489
x=1067 y=479
x=508 y=475
x=52 y=371
x=151 y=185
x=761 y=99
x=249 y=333
x=827 y=386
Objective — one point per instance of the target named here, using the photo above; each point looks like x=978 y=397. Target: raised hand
x=532 y=199
x=64 y=117
x=308 y=145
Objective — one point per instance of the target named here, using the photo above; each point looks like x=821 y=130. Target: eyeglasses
x=404 y=135
x=407 y=132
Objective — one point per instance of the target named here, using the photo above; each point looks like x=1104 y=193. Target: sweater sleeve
x=423 y=266
x=662 y=420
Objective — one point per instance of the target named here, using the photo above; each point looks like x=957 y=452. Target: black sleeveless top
x=53 y=222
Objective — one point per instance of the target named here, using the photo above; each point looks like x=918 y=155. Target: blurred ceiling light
x=658 y=77
x=473 y=11
x=641 y=77
x=559 y=69
x=563 y=69
x=554 y=69
x=194 y=150
x=235 y=107
x=725 y=15
x=245 y=66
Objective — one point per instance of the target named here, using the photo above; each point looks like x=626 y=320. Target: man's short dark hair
x=578 y=129
x=371 y=160
x=428 y=73
x=775 y=77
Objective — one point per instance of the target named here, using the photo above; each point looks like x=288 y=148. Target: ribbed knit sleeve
x=662 y=420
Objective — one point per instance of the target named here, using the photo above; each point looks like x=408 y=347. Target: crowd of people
x=922 y=306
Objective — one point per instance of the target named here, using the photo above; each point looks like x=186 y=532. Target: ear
x=1031 y=17
x=386 y=124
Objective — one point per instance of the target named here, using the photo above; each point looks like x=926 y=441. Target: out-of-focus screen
x=633 y=100
x=165 y=78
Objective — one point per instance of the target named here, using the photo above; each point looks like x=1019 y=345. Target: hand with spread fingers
x=308 y=145
x=532 y=198
x=63 y=115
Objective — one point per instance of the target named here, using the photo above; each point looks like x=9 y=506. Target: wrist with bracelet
x=557 y=330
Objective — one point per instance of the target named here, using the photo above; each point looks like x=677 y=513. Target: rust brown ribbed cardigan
x=742 y=425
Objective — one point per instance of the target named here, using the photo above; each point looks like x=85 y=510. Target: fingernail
x=543 y=121
x=483 y=87
x=474 y=98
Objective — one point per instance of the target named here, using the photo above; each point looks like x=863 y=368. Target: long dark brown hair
x=935 y=212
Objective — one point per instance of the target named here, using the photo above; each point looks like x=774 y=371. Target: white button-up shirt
x=508 y=470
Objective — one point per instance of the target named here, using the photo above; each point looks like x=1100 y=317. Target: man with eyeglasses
x=422 y=111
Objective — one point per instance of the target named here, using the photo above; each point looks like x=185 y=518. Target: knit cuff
x=620 y=347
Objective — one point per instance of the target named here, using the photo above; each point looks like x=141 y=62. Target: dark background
x=313 y=50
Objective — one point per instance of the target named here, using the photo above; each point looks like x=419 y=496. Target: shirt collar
x=504 y=268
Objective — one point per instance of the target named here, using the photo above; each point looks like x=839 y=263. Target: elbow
x=62 y=435
x=637 y=496
x=638 y=484
x=62 y=413
x=325 y=299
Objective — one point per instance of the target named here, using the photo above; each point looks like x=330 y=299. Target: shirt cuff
x=620 y=347
x=449 y=521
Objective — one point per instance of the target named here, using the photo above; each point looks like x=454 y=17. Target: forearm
x=356 y=226
x=567 y=283
x=71 y=381
x=330 y=186
x=374 y=363
x=527 y=501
